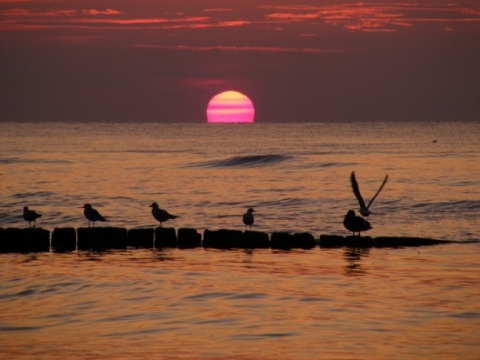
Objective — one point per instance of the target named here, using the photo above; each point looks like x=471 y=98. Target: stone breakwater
x=110 y=238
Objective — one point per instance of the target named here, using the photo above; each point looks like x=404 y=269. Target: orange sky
x=126 y=60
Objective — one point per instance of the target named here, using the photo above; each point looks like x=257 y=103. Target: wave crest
x=247 y=161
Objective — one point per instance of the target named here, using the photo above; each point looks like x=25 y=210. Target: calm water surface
x=412 y=303
x=206 y=304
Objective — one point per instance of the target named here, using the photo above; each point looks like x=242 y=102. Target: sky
x=297 y=60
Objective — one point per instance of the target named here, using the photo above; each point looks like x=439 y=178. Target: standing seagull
x=248 y=218
x=355 y=223
x=364 y=210
x=92 y=215
x=160 y=214
x=30 y=215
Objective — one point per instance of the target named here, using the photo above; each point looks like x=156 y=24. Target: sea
x=338 y=303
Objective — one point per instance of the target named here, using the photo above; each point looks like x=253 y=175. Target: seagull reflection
x=353 y=257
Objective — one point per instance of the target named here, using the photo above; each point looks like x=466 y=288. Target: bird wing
x=378 y=191
x=98 y=216
x=356 y=190
x=165 y=214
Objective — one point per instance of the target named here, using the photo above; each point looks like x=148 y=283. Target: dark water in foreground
x=208 y=304
x=413 y=303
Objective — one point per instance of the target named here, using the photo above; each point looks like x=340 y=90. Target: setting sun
x=230 y=107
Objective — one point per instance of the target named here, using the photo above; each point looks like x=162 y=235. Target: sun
x=230 y=107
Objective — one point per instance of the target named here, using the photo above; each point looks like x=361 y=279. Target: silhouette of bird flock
x=352 y=222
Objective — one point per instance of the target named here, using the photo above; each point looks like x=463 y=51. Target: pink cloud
x=355 y=17
x=372 y=17
x=17 y=12
x=239 y=49
x=101 y=12
x=219 y=10
x=293 y=17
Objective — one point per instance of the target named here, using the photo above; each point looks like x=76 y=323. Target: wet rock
x=24 y=240
x=282 y=240
x=304 y=240
x=165 y=237
x=333 y=241
x=189 y=238
x=222 y=239
x=64 y=239
x=389 y=241
x=255 y=240
x=140 y=238
x=102 y=238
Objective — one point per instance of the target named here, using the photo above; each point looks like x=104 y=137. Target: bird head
x=153 y=205
x=87 y=206
x=350 y=213
x=250 y=210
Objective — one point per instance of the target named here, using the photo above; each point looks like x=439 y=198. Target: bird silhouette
x=92 y=215
x=30 y=215
x=355 y=223
x=364 y=209
x=248 y=218
x=160 y=214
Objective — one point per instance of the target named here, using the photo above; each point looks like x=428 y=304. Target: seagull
x=364 y=210
x=248 y=218
x=160 y=214
x=355 y=223
x=92 y=215
x=30 y=215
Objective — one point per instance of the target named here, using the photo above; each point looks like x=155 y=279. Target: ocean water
x=261 y=304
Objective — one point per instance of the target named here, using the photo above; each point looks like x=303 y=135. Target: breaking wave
x=246 y=161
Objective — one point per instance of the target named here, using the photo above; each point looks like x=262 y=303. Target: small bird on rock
x=30 y=215
x=92 y=215
x=355 y=223
x=248 y=218
x=160 y=214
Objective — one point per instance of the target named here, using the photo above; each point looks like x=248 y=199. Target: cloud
x=219 y=10
x=101 y=12
x=19 y=12
x=292 y=17
x=373 y=17
x=19 y=1
x=239 y=49
x=354 y=17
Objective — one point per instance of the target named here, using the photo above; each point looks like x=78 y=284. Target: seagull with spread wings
x=364 y=209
